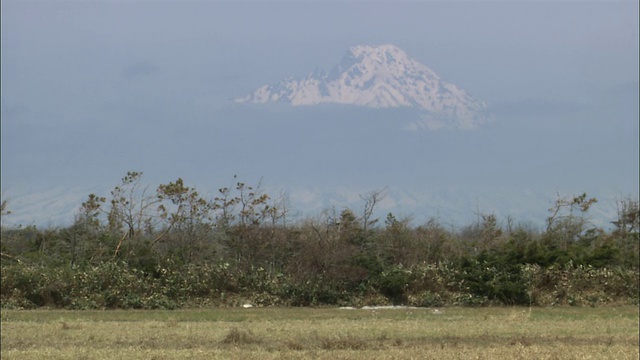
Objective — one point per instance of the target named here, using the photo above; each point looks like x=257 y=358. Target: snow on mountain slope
x=381 y=77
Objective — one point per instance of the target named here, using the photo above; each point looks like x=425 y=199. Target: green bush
x=394 y=284
x=489 y=278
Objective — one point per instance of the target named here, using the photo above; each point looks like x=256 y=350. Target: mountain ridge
x=382 y=76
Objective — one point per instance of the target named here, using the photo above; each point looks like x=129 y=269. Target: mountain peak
x=382 y=76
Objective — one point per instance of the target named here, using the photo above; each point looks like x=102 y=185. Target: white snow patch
x=388 y=307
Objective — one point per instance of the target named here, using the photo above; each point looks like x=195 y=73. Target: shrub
x=393 y=284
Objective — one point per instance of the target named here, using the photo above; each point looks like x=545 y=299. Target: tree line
x=171 y=247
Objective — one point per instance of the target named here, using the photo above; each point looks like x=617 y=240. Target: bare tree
x=628 y=221
x=133 y=209
x=188 y=214
x=4 y=211
x=568 y=219
x=371 y=199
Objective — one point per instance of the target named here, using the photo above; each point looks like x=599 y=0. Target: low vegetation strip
x=117 y=285
x=291 y=333
x=176 y=249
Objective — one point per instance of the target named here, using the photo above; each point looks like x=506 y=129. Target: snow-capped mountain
x=380 y=77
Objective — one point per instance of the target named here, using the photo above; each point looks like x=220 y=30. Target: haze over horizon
x=91 y=90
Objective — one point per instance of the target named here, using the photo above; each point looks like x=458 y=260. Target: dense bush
x=176 y=249
x=116 y=285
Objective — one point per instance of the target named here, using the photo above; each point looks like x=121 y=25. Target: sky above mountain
x=91 y=90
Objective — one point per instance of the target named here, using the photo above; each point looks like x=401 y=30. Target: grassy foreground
x=322 y=333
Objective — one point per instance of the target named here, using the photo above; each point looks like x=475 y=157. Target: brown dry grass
x=454 y=333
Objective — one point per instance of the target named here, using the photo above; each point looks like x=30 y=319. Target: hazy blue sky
x=92 y=89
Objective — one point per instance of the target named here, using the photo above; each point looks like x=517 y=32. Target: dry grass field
x=323 y=333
